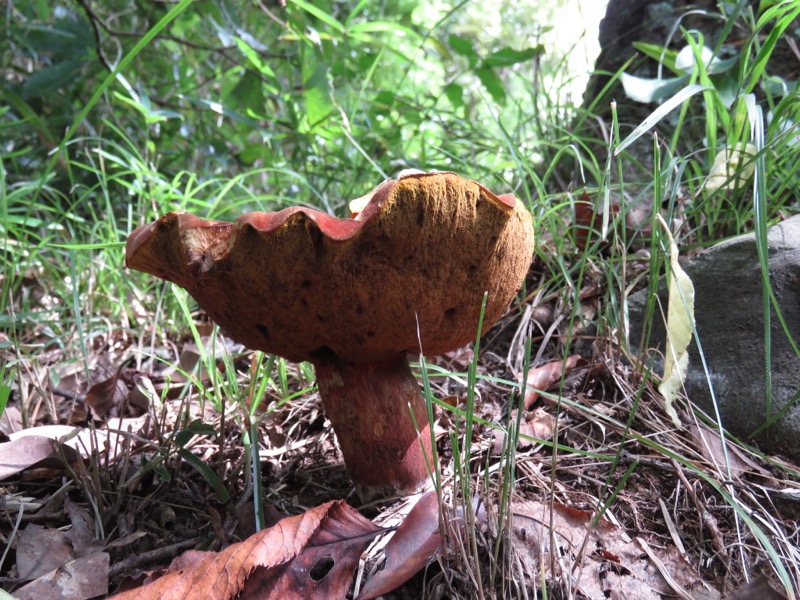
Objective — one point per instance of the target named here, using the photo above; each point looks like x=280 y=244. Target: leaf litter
x=662 y=524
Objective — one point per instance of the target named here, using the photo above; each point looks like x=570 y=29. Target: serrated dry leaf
x=537 y=424
x=312 y=555
x=410 y=548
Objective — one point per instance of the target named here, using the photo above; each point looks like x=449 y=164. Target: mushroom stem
x=369 y=404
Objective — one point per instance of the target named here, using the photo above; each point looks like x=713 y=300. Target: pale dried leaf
x=535 y=425
x=105 y=396
x=28 y=451
x=611 y=565
x=81 y=534
x=680 y=324
x=758 y=589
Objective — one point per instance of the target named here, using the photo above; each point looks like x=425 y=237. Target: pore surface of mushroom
x=353 y=296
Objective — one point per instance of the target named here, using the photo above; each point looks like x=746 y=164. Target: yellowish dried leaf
x=680 y=323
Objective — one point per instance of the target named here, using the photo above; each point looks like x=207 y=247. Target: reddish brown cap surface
x=299 y=282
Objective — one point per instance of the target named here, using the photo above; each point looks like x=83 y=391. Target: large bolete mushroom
x=353 y=296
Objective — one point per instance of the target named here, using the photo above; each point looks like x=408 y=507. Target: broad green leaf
x=222 y=109
x=5 y=390
x=63 y=40
x=317 y=90
x=383 y=102
x=785 y=13
x=461 y=45
x=506 y=57
x=49 y=79
x=680 y=324
x=385 y=27
x=492 y=83
x=207 y=473
x=254 y=58
x=247 y=93
x=196 y=427
x=455 y=93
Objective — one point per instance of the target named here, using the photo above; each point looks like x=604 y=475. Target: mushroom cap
x=406 y=274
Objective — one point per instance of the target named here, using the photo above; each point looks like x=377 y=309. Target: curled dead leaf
x=410 y=548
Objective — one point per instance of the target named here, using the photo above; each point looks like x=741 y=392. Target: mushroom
x=353 y=296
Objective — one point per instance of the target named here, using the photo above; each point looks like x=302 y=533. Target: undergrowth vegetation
x=113 y=116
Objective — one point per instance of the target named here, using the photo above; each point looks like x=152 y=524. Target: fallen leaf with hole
x=607 y=563
x=312 y=555
x=409 y=549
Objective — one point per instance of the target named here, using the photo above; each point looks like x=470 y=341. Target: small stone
x=729 y=320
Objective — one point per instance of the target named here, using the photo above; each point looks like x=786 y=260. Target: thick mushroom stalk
x=407 y=274
x=386 y=450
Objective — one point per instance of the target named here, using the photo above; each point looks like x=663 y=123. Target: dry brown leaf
x=106 y=395
x=588 y=223
x=62 y=564
x=79 y=579
x=585 y=218
x=710 y=445
x=544 y=376
x=409 y=550
x=41 y=550
x=44 y=445
x=538 y=424
x=758 y=589
x=81 y=534
x=27 y=451
x=312 y=555
x=611 y=564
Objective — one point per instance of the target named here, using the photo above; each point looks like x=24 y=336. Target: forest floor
x=609 y=498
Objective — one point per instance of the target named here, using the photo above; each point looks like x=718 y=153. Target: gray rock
x=729 y=315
